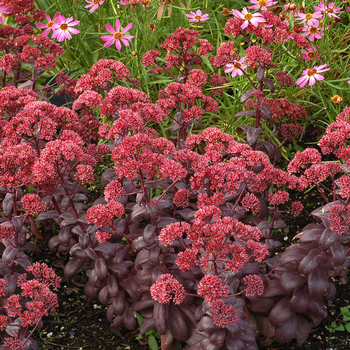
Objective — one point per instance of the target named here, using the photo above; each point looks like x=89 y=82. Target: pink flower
x=310 y=54
x=263 y=4
x=94 y=4
x=311 y=75
x=314 y=32
x=236 y=68
x=129 y=2
x=3 y=10
x=253 y=18
x=117 y=35
x=49 y=24
x=63 y=28
x=197 y=16
x=310 y=18
x=330 y=10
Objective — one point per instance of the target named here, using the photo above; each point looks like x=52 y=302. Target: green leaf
x=340 y=328
x=347 y=327
x=152 y=342
x=139 y=319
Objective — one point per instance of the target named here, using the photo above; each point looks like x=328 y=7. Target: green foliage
x=340 y=325
x=152 y=335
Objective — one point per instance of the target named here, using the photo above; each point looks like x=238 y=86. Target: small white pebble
x=49 y=335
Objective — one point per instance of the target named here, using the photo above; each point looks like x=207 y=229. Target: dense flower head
x=181 y=198
x=296 y=208
x=102 y=236
x=304 y=159
x=84 y=174
x=100 y=215
x=13 y=344
x=255 y=55
x=255 y=285
x=217 y=80
x=182 y=38
x=44 y=274
x=167 y=289
x=226 y=54
x=173 y=231
x=211 y=288
x=149 y=58
x=3 y=322
x=223 y=314
x=3 y=287
x=291 y=131
x=114 y=190
x=7 y=232
x=12 y=306
x=251 y=202
x=279 y=197
x=339 y=218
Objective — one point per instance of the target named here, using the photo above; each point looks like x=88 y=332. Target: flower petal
x=110 y=28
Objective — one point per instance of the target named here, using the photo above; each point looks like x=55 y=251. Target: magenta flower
x=236 y=68
x=310 y=54
x=310 y=18
x=130 y=2
x=197 y=16
x=49 y=24
x=94 y=4
x=263 y=4
x=329 y=9
x=311 y=75
x=3 y=10
x=314 y=32
x=253 y=18
x=117 y=36
x=63 y=28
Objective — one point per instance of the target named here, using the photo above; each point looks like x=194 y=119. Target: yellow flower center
x=198 y=18
x=337 y=99
x=64 y=26
x=248 y=16
x=96 y=2
x=311 y=55
x=262 y=2
x=50 y=24
x=313 y=30
x=159 y=70
x=311 y=72
x=308 y=16
x=118 y=35
x=292 y=6
x=237 y=65
x=329 y=10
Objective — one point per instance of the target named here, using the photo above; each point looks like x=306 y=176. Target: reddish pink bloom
x=3 y=287
x=102 y=236
x=253 y=18
x=280 y=197
x=311 y=75
x=3 y=322
x=250 y=201
x=173 y=231
x=117 y=35
x=167 y=289
x=32 y=204
x=7 y=232
x=99 y=215
x=260 y=250
x=181 y=198
x=255 y=55
x=197 y=16
x=94 y=4
x=44 y=274
x=149 y=58
x=255 y=285
x=211 y=288
x=12 y=306
x=329 y=9
x=13 y=344
x=262 y=4
x=114 y=190
x=116 y=208
x=49 y=24
x=186 y=259
x=223 y=314
x=63 y=28
x=344 y=184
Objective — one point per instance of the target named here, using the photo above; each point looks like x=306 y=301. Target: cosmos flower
x=63 y=28
x=263 y=4
x=117 y=35
x=329 y=9
x=3 y=10
x=313 y=32
x=94 y=4
x=197 y=16
x=311 y=75
x=253 y=18
x=49 y=24
x=310 y=18
x=236 y=68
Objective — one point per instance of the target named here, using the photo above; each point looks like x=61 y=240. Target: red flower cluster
x=167 y=289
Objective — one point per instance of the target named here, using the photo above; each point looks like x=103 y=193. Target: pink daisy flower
x=117 y=36
x=94 y=4
x=253 y=18
x=310 y=54
x=63 y=28
x=310 y=18
x=311 y=75
x=263 y=4
x=314 y=32
x=3 y=10
x=130 y=2
x=236 y=68
x=197 y=16
x=49 y=24
x=329 y=9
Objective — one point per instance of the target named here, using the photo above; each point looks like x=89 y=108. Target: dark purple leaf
x=317 y=283
x=7 y=204
x=309 y=262
x=317 y=308
x=138 y=213
x=248 y=94
x=287 y=331
x=261 y=305
x=131 y=287
x=130 y=319
x=9 y=254
x=53 y=242
x=107 y=176
x=91 y=291
x=291 y=279
x=104 y=297
x=303 y=330
x=260 y=74
x=112 y=285
x=327 y=239
x=106 y=248
x=176 y=322
x=251 y=133
x=281 y=312
x=101 y=268
x=266 y=111
x=242 y=113
x=64 y=236
x=338 y=254
x=51 y=214
x=84 y=240
x=72 y=267
x=269 y=84
x=119 y=269
x=186 y=214
x=299 y=301
x=145 y=302
x=32 y=248
x=119 y=303
x=165 y=221
x=148 y=232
